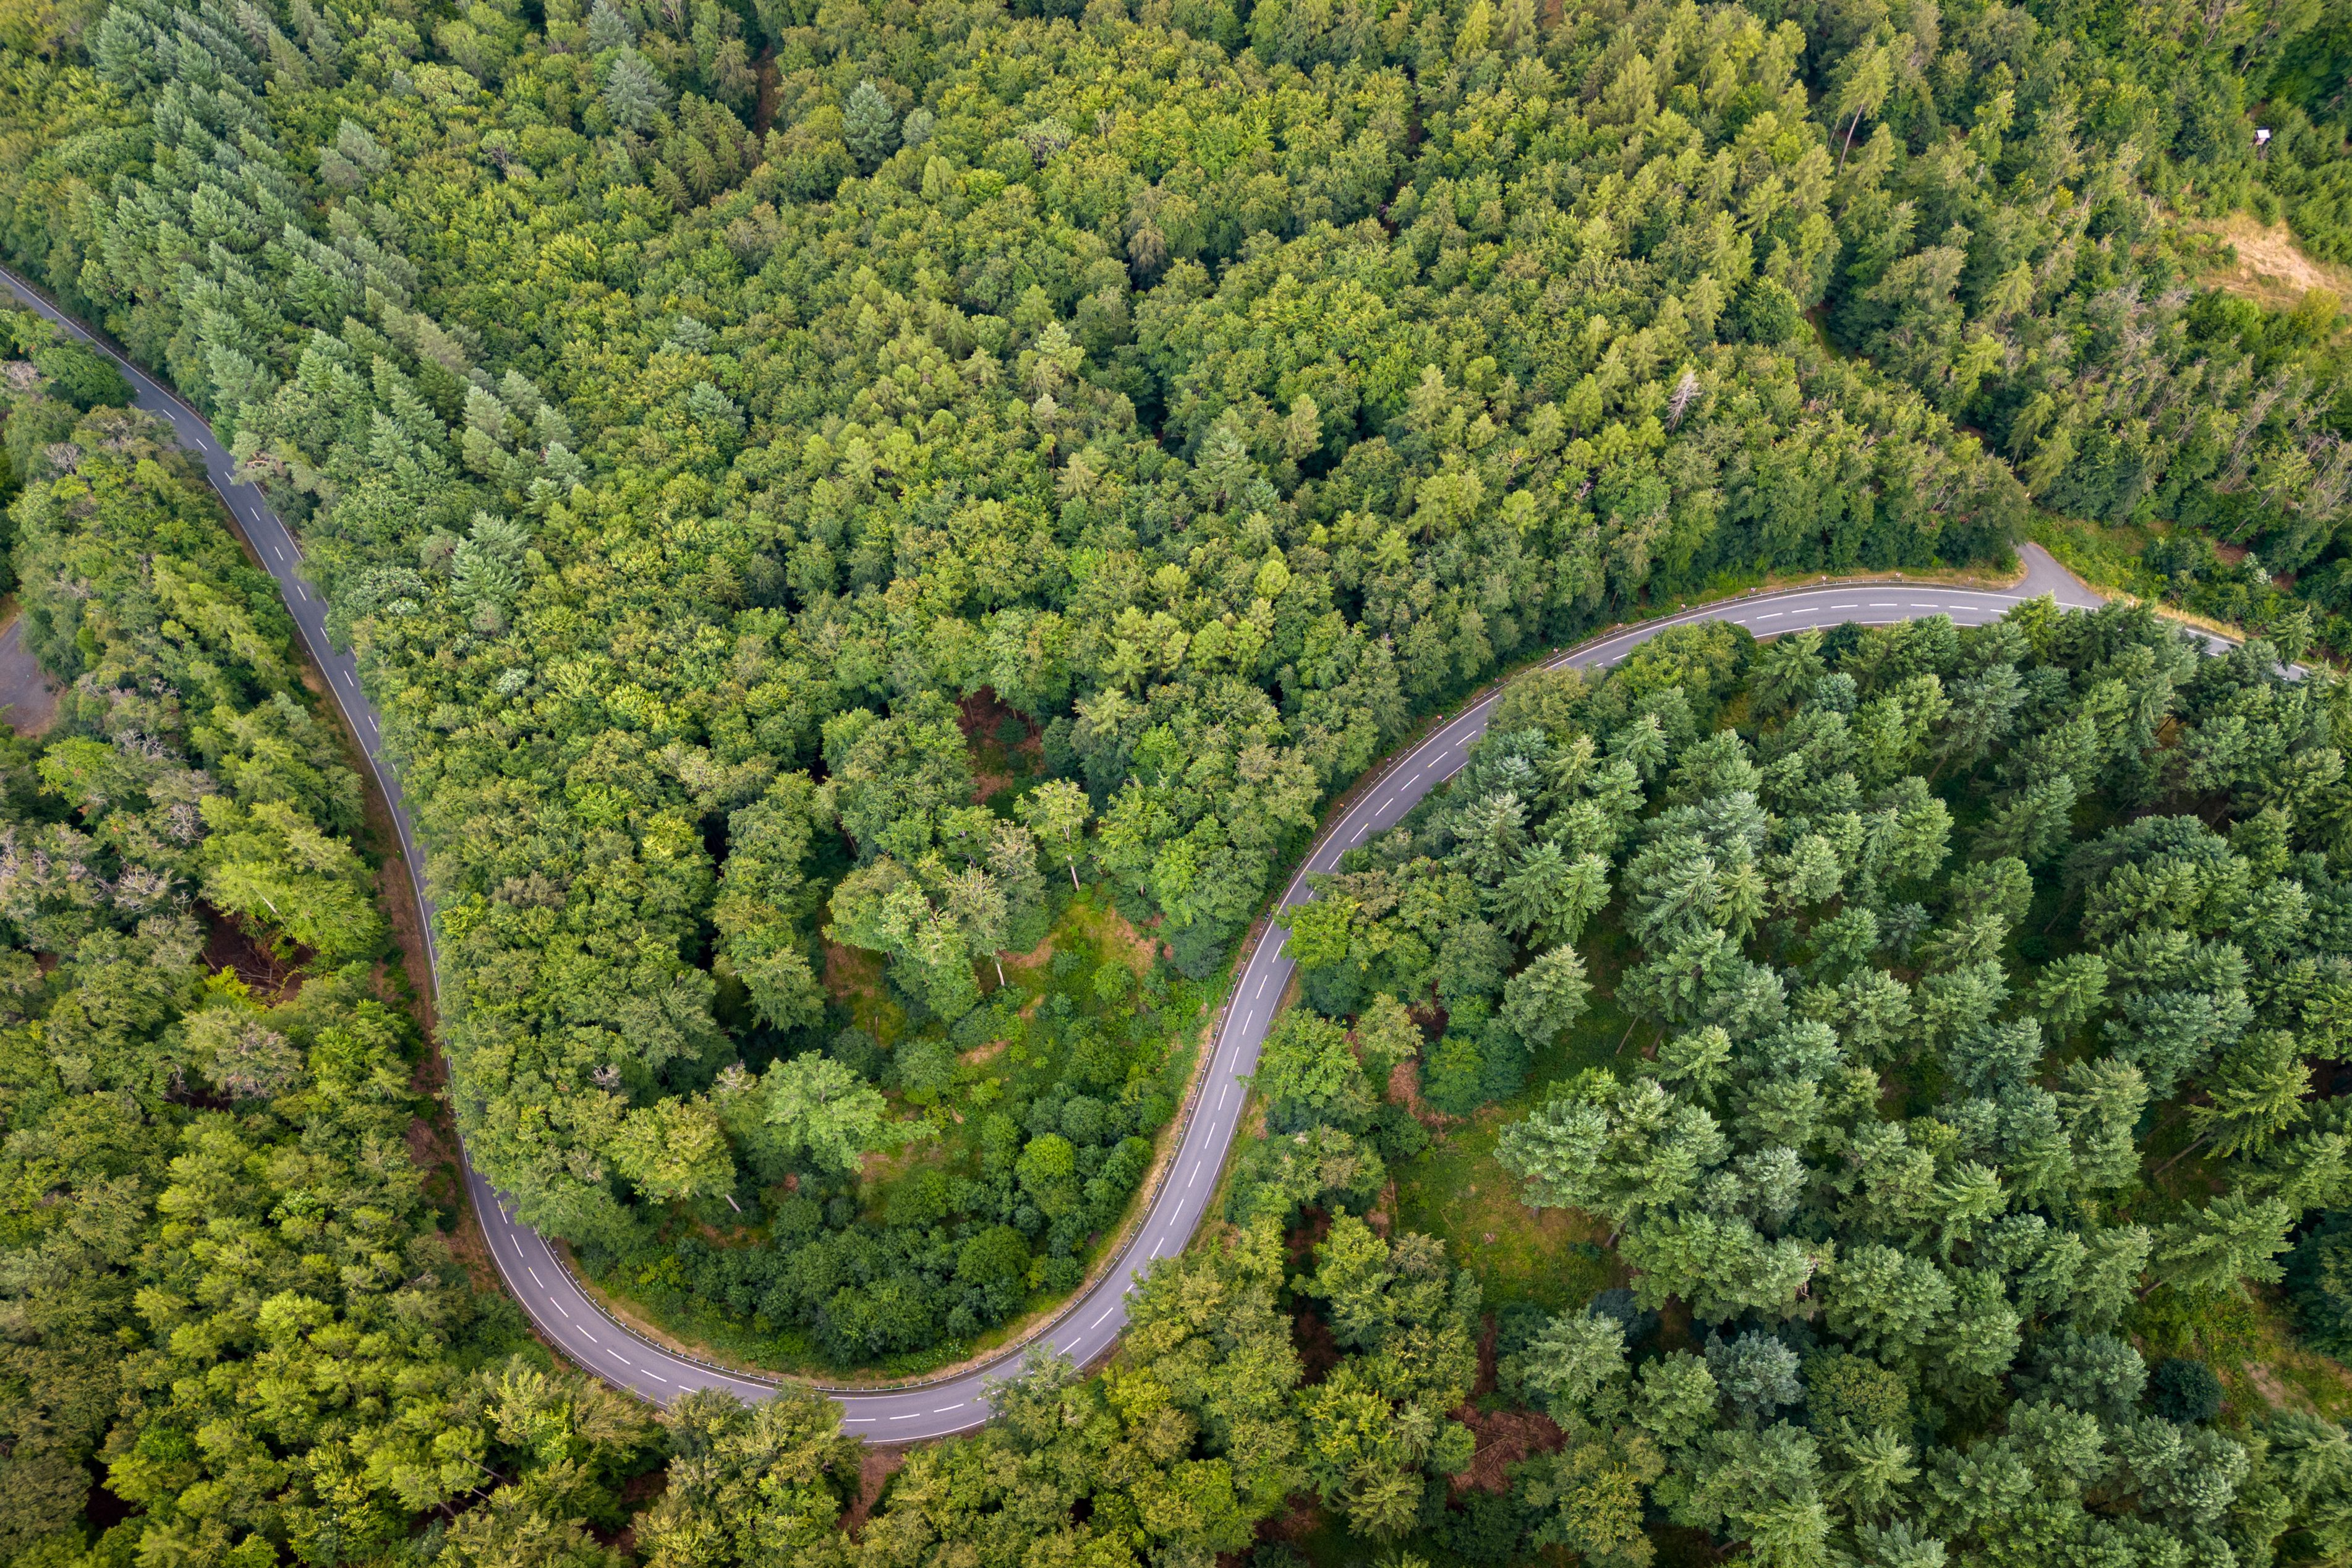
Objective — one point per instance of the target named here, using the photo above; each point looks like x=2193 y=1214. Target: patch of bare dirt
x=1677 y=1331
x=1504 y=1438
x=979 y=716
x=879 y=1167
x=1031 y=959
x=849 y=970
x=229 y=945
x=980 y=1053
x=28 y=698
x=430 y=1151
x=1313 y=1226
x=1139 y=947
x=770 y=82
x=875 y=1468
x=1404 y=1089
x=2275 y=1393
x=636 y=1494
x=1302 y=1518
x=1319 y=1352
x=1489 y=1336
x=1143 y=948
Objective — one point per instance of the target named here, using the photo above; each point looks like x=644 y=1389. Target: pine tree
x=608 y=29
x=2253 y=1094
x=1544 y=1001
x=634 y=95
x=868 y=126
x=1056 y=811
x=2219 y=1247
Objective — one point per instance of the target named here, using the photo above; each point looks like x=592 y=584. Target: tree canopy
x=729 y=435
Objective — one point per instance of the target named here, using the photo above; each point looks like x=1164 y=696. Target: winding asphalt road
x=1088 y=1326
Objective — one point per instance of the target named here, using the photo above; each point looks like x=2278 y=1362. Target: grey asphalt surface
x=1088 y=1326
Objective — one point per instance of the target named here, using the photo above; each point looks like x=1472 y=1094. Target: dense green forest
x=876 y=531
x=227 y=1293
x=670 y=482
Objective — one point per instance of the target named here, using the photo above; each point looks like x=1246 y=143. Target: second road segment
x=1087 y=1326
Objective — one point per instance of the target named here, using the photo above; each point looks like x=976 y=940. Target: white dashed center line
x=1444 y=754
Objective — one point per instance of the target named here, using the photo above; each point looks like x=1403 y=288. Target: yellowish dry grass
x=2269 y=268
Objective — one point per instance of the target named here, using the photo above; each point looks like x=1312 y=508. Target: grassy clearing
x=2263 y=262
x=1725 y=585
x=853 y=977
x=1456 y=1191
x=2250 y=1343
x=2111 y=558
x=2105 y=555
